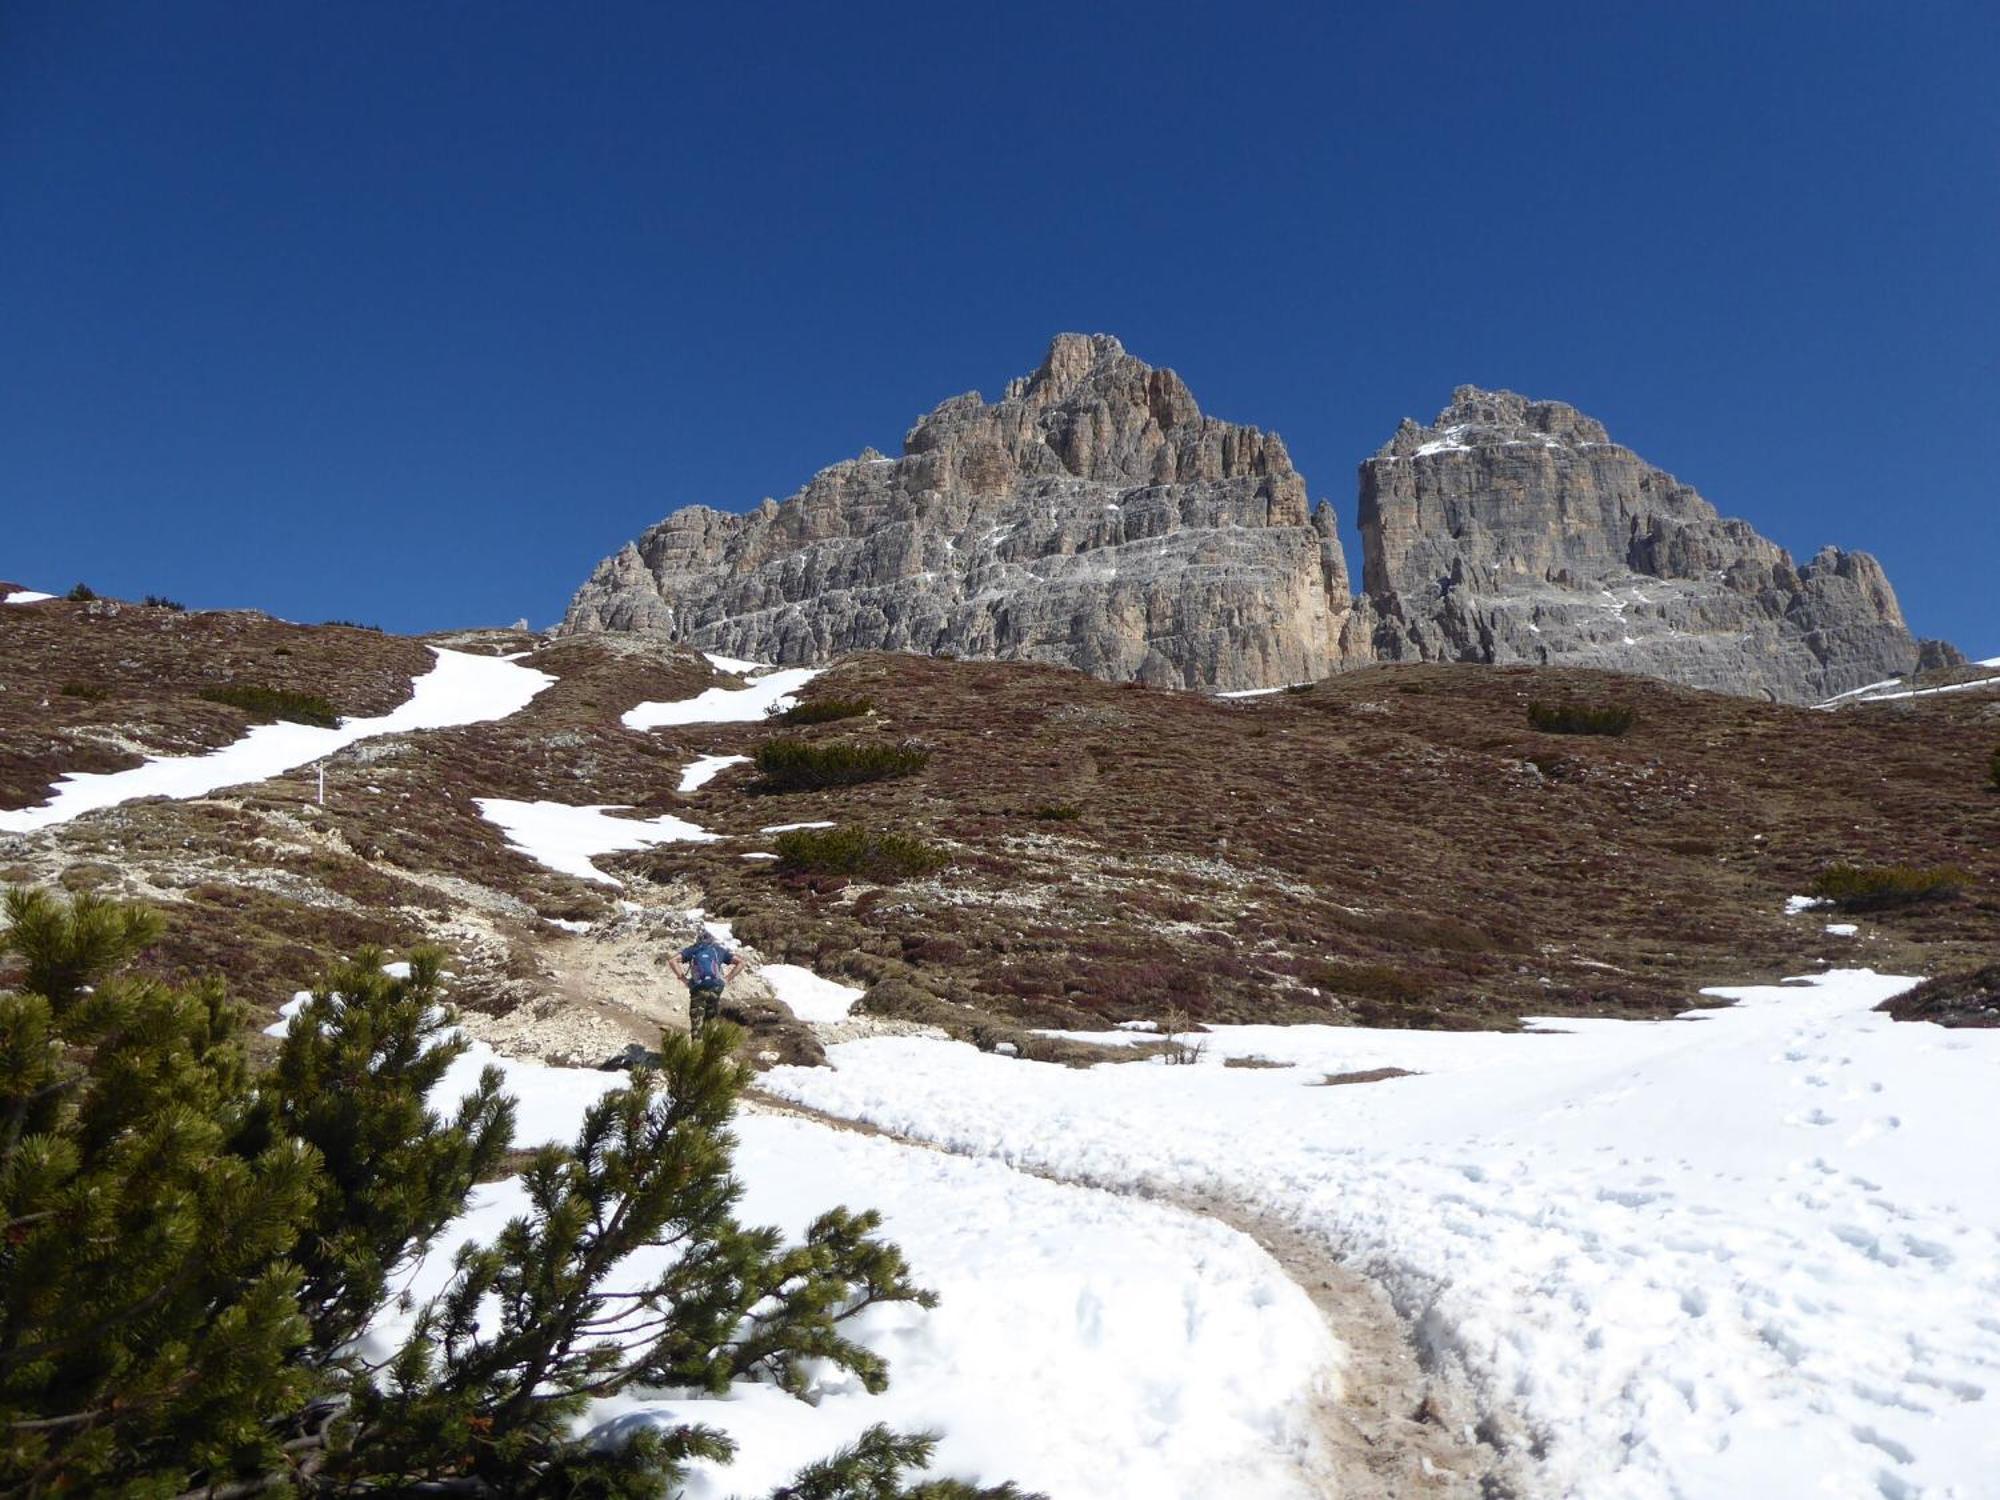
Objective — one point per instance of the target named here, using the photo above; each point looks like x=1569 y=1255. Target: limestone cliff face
x=1092 y=517
x=1513 y=530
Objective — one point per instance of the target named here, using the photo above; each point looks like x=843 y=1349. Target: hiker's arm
x=736 y=967
x=674 y=963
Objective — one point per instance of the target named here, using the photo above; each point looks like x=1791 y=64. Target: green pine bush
x=80 y=593
x=1581 y=718
x=1877 y=887
x=795 y=765
x=867 y=853
x=267 y=703
x=189 y=1247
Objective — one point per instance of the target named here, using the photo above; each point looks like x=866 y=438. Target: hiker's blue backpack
x=706 y=962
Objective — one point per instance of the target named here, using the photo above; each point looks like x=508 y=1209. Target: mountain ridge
x=1094 y=517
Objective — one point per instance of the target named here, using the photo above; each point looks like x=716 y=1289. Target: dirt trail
x=1395 y=1425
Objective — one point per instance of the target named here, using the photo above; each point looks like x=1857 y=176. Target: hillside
x=1504 y=1225
x=1392 y=846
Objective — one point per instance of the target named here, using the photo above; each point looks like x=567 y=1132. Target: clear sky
x=409 y=312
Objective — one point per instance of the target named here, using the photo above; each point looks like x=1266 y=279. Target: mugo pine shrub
x=795 y=765
x=1877 y=887
x=862 y=852
x=276 y=703
x=190 y=1249
x=1580 y=718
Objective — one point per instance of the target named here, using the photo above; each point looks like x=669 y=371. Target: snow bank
x=810 y=997
x=568 y=838
x=1084 y=1343
x=700 y=773
x=744 y=705
x=734 y=666
x=1746 y=1252
x=26 y=596
x=460 y=689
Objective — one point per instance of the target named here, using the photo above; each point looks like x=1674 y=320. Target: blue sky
x=410 y=312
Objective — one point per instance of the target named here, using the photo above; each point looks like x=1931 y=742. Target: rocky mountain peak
x=1092 y=516
x=1478 y=417
x=1093 y=412
x=1517 y=530
x=1095 y=517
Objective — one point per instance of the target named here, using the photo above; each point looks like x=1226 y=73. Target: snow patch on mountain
x=745 y=705
x=568 y=839
x=461 y=689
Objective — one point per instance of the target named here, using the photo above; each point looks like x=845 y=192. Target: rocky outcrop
x=1513 y=530
x=1092 y=517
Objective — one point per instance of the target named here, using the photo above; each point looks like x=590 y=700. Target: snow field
x=1082 y=1340
x=744 y=705
x=26 y=596
x=567 y=839
x=460 y=689
x=1747 y=1252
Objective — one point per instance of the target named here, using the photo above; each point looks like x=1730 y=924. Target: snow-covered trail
x=1745 y=1253
x=461 y=688
x=1082 y=1338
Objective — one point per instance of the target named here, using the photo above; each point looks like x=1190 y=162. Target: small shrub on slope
x=81 y=593
x=1876 y=887
x=276 y=703
x=191 y=1248
x=825 y=710
x=161 y=601
x=793 y=765
x=1580 y=718
x=862 y=852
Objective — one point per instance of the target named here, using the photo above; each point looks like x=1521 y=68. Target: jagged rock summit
x=1092 y=517
x=1513 y=530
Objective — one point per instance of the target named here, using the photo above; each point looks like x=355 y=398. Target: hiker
x=705 y=967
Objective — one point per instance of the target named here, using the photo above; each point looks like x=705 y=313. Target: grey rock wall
x=1092 y=517
x=1512 y=530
